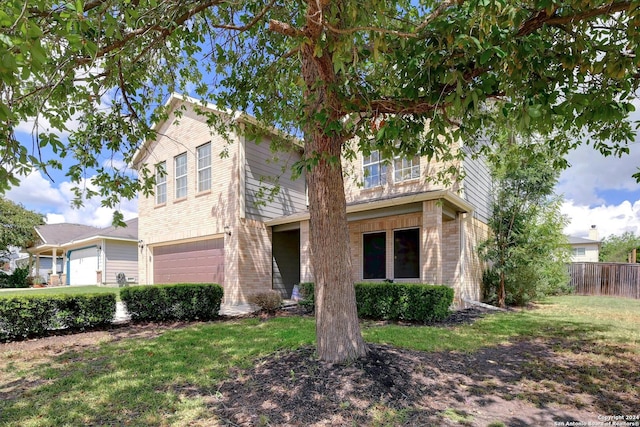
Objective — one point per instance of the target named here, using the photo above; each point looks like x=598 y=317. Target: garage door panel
x=193 y=262
x=83 y=264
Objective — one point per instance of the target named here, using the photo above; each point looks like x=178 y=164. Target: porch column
x=431 y=242
x=54 y=280
x=306 y=275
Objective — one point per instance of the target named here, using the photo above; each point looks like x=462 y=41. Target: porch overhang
x=452 y=201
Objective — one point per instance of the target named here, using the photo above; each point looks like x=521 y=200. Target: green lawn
x=61 y=290
x=150 y=381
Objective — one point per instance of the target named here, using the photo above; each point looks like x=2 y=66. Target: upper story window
x=374 y=170
x=579 y=251
x=204 y=167
x=181 y=175
x=406 y=168
x=161 y=183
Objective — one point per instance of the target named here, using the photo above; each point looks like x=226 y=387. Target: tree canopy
x=16 y=225
x=617 y=248
x=376 y=70
x=527 y=249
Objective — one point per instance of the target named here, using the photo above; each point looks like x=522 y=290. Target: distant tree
x=16 y=225
x=617 y=248
x=527 y=249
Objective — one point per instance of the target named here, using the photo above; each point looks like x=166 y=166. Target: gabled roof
x=57 y=234
x=128 y=232
x=573 y=240
x=176 y=99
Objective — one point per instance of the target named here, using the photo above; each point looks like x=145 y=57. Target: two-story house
x=214 y=218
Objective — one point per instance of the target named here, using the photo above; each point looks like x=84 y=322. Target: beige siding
x=120 y=257
x=477 y=186
x=266 y=170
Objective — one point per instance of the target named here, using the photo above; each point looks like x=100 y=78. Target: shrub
x=403 y=301
x=183 y=301
x=18 y=279
x=268 y=301
x=395 y=301
x=33 y=316
x=308 y=300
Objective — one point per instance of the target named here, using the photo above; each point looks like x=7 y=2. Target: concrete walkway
x=225 y=310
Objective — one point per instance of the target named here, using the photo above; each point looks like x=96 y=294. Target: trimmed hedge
x=34 y=316
x=182 y=301
x=395 y=301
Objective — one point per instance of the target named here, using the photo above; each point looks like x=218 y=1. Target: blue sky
x=597 y=190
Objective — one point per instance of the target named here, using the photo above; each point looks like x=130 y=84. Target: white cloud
x=37 y=193
x=609 y=219
x=590 y=171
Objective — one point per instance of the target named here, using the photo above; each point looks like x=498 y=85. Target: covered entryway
x=191 y=262
x=82 y=266
x=286 y=261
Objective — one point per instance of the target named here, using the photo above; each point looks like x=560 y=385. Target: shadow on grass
x=515 y=368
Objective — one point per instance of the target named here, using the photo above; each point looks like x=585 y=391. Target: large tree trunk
x=337 y=329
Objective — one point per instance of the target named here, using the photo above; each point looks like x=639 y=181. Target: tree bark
x=338 y=333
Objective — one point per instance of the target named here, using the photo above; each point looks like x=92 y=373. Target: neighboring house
x=86 y=255
x=585 y=250
x=210 y=220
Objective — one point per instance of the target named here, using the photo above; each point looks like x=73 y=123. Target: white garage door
x=83 y=264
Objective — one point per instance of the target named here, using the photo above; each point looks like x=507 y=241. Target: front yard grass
x=161 y=379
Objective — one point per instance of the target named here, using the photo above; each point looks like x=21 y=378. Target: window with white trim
x=204 y=167
x=579 y=251
x=181 y=175
x=406 y=168
x=161 y=183
x=374 y=170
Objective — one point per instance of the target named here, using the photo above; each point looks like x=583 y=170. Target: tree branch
x=542 y=18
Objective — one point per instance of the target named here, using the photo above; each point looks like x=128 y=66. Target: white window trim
x=411 y=168
x=382 y=168
x=181 y=176
x=161 y=182
x=204 y=168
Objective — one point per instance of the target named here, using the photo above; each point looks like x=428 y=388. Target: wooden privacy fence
x=603 y=278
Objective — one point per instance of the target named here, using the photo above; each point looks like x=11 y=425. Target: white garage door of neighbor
x=83 y=264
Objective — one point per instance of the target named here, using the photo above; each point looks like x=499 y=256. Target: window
x=204 y=167
x=181 y=175
x=161 y=183
x=374 y=170
x=406 y=254
x=578 y=251
x=405 y=168
x=374 y=256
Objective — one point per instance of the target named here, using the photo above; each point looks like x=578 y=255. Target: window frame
x=374 y=259
x=181 y=178
x=161 y=183
x=412 y=168
x=580 y=251
x=380 y=163
x=400 y=272
x=200 y=169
